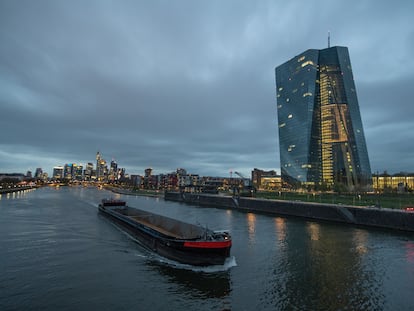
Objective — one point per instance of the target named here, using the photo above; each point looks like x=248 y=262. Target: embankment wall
x=362 y=216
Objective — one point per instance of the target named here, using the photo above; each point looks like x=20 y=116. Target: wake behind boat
x=173 y=239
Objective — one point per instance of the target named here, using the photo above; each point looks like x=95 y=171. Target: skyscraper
x=113 y=171
x=101 y=168
x=321 y=137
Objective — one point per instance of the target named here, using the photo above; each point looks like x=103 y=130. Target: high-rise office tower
x=321 y=137
x=101 y=168
x=88 y=173
x=68 y=171
x=58 y=172
x=113 y=171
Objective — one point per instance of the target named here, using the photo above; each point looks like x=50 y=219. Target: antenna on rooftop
x=329 y=39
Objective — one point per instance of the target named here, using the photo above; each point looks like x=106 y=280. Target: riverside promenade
x=17 y=189
x=354 y=215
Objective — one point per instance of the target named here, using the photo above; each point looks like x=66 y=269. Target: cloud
x=187 y=84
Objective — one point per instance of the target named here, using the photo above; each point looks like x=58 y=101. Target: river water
x=58 y=253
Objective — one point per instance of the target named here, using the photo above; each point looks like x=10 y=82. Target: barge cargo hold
x=173 y=239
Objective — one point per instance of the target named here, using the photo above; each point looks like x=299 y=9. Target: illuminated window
x=309 y=62
x=290 y=116
x=279 y=106
x=307 y=94
x=281 y=88
x=282 y=125
x=301 y=59
x=287 y=100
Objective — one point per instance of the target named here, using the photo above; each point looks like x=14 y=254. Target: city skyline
x=188 y=84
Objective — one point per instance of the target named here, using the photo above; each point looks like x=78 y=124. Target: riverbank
x=383 y=200
x=17 y=189
x=354 y=215
x=146 y=193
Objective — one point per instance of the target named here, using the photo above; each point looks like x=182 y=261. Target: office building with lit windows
x=322 y=141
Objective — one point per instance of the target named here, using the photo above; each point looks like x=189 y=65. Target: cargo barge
x=173 y=239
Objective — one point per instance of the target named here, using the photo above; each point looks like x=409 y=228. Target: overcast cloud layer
x=169 y=84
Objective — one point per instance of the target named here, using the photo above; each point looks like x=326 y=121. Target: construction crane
x=247 y=189
x=246 y=181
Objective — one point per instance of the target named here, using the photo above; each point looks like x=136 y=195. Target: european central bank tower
x=322 y=141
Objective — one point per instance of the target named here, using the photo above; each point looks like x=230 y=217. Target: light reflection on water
x=58 y=253
x=251 y=225
x=322 y=272
x=409 y=245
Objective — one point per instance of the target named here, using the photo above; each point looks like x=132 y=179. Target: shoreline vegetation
x=378 y=200
x=137 y=192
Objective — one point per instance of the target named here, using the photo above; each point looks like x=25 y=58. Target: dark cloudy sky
x=169 y=84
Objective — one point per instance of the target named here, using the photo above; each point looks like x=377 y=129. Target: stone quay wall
x=354 y=215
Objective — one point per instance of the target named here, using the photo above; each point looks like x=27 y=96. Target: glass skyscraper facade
x=322 y=141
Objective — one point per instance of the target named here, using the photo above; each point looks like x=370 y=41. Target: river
x=58 y=253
